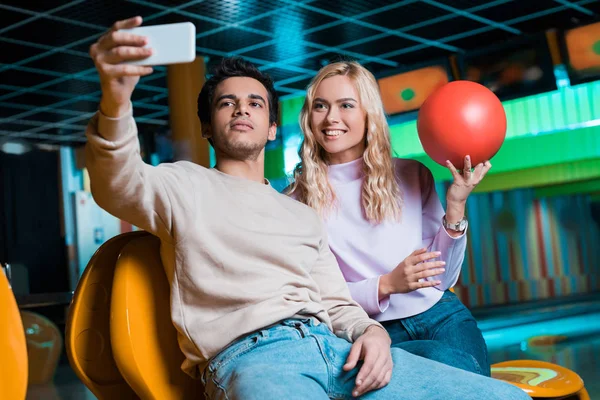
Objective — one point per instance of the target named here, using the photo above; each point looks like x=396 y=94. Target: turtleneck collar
x=346 y=172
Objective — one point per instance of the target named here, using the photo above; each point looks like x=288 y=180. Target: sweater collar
x=346 y=172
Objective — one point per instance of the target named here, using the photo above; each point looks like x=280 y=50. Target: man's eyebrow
x=257 y=97
x=226 y=96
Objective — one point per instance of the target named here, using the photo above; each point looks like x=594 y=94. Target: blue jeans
x=448 y=322
x=297 y=360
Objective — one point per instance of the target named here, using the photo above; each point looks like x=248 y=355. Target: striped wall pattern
x=523 y=248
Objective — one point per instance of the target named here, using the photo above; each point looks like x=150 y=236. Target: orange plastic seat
x=44 y=344
x=87 y=338
x=541 y=380
x=13 y=348
x=143 y=337
x=122 y=344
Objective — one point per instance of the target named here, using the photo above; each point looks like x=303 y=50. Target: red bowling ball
x=461 y=118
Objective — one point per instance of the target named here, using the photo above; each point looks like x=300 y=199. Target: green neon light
x=556 y=174
x=569 y=189
x=526 y=159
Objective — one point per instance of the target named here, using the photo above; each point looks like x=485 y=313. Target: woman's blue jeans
x=448 y=323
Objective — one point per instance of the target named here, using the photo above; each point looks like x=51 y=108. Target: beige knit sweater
x=239 y=256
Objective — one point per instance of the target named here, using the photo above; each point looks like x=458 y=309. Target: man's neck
x=253 y=170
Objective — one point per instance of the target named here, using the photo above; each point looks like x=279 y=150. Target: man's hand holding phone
x=118 y=79
x=127 y=51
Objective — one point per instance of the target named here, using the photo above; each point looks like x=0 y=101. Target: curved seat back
x=143 y=337
x=87 y=336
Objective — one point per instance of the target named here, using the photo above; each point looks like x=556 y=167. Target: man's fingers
x=127 y=23
x=120 y=70
x=366 y=369
x=118 y=38
x=368 y=373
x=386 y=378
x=353 y=357
x=378 y=374
x=379 y=382
x=126 y=53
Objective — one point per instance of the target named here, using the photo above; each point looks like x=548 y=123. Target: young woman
x=398 y=249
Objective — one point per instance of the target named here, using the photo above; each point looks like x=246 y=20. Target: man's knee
x=506 y=391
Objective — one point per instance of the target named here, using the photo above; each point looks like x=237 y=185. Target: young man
x=261 y=309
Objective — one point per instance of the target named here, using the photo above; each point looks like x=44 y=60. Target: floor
x=66 y=386
x=506 y=331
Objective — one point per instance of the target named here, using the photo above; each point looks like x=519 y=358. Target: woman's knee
x=456 y=358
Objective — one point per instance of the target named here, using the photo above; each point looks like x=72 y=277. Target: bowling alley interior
x=84 y=297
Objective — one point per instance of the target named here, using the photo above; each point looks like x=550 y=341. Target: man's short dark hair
x=229 y=68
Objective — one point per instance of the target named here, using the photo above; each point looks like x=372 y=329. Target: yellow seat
x=44 y=344
x=87 y=338
x=144 y=340
x=541 y=380
x=13 y=348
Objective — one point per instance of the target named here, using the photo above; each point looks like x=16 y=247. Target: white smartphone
x=170 y=43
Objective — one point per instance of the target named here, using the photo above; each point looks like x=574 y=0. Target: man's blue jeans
x=298 y=360
x=449 y=323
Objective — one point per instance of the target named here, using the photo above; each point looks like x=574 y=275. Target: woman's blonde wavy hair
x=381 y=199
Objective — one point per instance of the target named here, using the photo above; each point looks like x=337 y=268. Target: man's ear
x=206 y=131
x=272 y=132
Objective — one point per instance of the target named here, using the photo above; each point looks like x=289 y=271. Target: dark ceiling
x=49 y=88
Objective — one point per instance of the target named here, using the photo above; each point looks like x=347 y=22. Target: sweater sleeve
x=366 y=293
x=435 y=237
x=348 y=319
x=124 y=185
